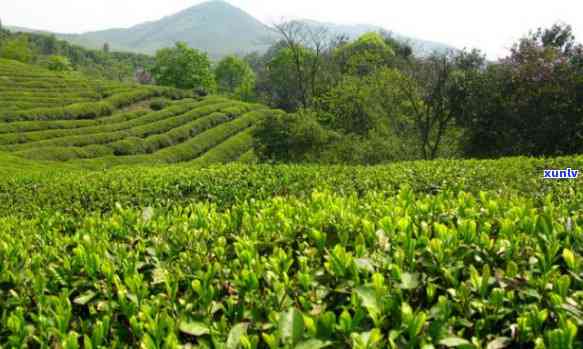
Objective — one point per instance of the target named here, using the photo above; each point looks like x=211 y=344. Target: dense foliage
x=41 y=48
x=184 y=67
x=386 y=104
x=469 y=254
x=532 y=102
x=175 y=186
x=30 y=93
x=235 y=78
x=162 y=248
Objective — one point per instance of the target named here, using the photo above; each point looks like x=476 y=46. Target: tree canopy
x=235 y=77
x=17 y=49
x=184 y=67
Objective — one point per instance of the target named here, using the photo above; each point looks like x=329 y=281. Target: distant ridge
x=420 y=47
x=216 y=27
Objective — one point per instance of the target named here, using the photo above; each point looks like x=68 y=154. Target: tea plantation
x=114 y=235
x=64 y=117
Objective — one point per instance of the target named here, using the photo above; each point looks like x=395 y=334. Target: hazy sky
x=491 y=25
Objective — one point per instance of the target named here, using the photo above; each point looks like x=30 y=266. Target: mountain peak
x=214 y=26
x=221 y=5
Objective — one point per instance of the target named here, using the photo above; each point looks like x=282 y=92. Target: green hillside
x=92 y=123
x=30 y=92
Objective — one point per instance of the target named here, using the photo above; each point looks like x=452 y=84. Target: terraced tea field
x=113 y=234
x=52 y=117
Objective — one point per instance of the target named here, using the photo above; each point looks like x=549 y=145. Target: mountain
x=215 y=27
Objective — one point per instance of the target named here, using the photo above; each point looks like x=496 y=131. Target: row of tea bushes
x=170 y=186
x=88 y=110
x=451 y=270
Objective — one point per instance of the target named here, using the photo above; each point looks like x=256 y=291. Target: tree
x=401 y=48
x=303 y=47
x=106 y=47
x=434 y=91
x=285 y=90
x=531 y=102
x=365 y=55
x=184 y=67
x=287 y=137
x=17 y=49
x=372 y=107
x=49 y=46
x=235 y=78
x=59 y=63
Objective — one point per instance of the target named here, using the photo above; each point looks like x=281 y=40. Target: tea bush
x=452 y=269
x=174 y=186
x=158 y=104
x=228 y=151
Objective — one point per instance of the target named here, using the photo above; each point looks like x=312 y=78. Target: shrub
x=128 y=146
x=159 y=104
x=59 y=64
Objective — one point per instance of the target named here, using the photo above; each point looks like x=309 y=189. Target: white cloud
x=489 y=25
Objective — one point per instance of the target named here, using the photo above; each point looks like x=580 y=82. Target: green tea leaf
x=499 y=343
x=409 y=281
x=313 y=344
x=85 y=298
x=234 y=339
x=291 y=325
x=456 y=342
x=194 y=328
x=369 y=299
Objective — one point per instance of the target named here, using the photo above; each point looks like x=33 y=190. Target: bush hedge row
x=190 y=149
x=131 y=141
x=89 y=110
x=249 y=157
x=228 y=151
x=51 y=125
x=80 y=110
x=196 y=146
x=71 y=137
x=170 y=186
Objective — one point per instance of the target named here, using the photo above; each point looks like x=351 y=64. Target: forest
x=371 y=101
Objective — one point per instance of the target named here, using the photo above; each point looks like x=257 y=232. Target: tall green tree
x=301 y=53
x=433 y=91
x=184 y=67
x=235 y=77
x=365 y=55
x=286 y=91
x=375 y=113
